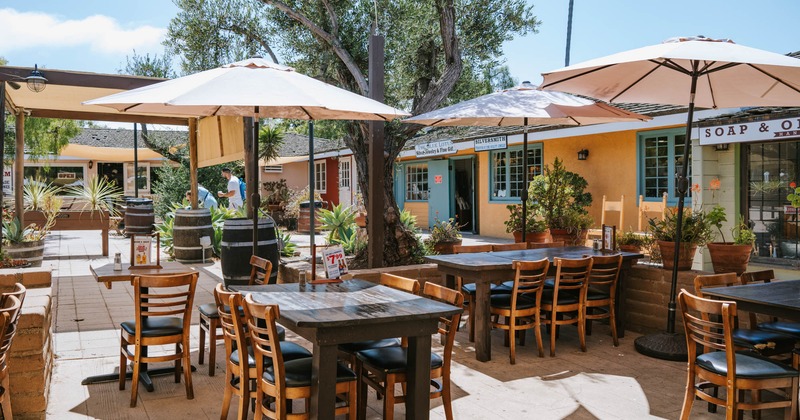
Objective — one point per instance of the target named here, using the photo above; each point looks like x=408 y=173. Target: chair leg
x=538 y=332
x=244 y=391
x=177 y=371
x=688 y=397
x=187 y=369
x=471 y=319
x=212 y=346
x=6 y=405
x=202 y=341
x=123 y=364
x=135 y=376
x=553 y=333
x=351 y=400
x=228 y=395
x=361 y=397
x=512 y=342
x=447 y=399
x=613 y=321
x=388 y=398
x=582 y=330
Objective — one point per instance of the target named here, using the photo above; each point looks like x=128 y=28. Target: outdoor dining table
x=777 y=298
x=484 y=268
x=107 y=275
x=356 y=310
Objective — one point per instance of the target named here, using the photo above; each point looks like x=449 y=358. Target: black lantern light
x=583 y=154
x=36 y=81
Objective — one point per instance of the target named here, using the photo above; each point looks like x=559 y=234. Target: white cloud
x=101 y=34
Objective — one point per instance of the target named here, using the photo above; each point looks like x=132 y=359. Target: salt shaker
x=117 y=262
x=596 y=245
x=302 y=279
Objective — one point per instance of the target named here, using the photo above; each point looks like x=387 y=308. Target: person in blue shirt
x=204 y=196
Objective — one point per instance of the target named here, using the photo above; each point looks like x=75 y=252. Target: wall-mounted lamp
x=91 y=163
x=721 y=147
x=36 y=81
x=583 y=154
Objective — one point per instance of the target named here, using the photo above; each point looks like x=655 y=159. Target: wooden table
x=492 y=267
x=106 y=274
x=777 y=298
x=355 y=310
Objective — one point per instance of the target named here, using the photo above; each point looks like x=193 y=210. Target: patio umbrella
x=525 y=105
x=253 y=88
x=691 y=71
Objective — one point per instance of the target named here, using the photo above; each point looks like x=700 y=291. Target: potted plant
x=730 y=257
x=27 y=243
x=444 y=236
x=560 y=197
x=696 y=232
x=536 y=229
x=632 y=241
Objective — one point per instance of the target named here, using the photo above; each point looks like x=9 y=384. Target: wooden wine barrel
x=139 y=216
x=237 y=247
x=188 y=228
x=304 y=221
x=32 y=251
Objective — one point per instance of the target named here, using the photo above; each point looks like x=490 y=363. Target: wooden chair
x=599 y=296
x=509 y=247
x=239 y=380
x=10 y=308
x=541 y=245
x=163 y=316
x=209 y=318
x=710 y=324
x=469 y=289
x=566 y=298
x=382 y=368
x=651 y=207
x=609 y=206
x=775 y=324
x=520 y=310
x=280 y=381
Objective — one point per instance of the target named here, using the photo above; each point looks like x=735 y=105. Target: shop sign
x=753 y=131
x=444 y=147
x=8 y=180
x=491 y=143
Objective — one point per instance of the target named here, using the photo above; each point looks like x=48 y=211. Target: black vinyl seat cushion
x=564 y=297
x=504 y=301
x=291 y=351
x=775 y=342
x=393 y=359
x=369 y=344
x=597 y=294
x=508 y=287
x=470 y=288
x=748 y=365
x=298 y=373
x=210 y=311
x=785 y=327
x=156 y=326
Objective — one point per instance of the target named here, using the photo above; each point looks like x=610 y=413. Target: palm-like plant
x=270 y=140
x=99 y=194
x=36 y=192
x=340 y=222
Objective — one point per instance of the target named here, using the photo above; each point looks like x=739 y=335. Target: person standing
x=234 y=196
x=204 y=197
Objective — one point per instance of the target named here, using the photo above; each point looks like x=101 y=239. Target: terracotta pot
x=530 y=237
x=361 y=220
x=729 y=258
x=570 y=238
x=32 y=252
x=685 y=256
x=443 y=248
x=631 y=248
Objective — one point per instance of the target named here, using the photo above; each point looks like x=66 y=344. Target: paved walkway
x=604 y=383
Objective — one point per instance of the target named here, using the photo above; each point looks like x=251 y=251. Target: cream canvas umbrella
x=253 y=88
x=691 y=71
x=525 y=106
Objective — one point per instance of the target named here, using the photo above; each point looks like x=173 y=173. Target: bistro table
x=777 y=298
x=356 y=310
x=107 y=275
x=484 y=268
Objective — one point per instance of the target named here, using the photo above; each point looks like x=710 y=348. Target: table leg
x=483 y=342
x=418 y=377
x=449 y=281
x=323 y=382
x=619 y=299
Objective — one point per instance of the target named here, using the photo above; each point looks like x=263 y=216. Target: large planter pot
x=685 y=256
x=569 y=237
x=33 y=251
x=530 y=237
x=729 y=258
x=443 y=248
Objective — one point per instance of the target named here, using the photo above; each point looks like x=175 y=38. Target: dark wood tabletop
x=486 y=261
x=106 y=273
x=777 y=298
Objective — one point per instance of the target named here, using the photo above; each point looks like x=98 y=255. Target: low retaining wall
x=31 y=355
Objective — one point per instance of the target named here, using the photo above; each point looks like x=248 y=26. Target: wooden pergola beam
x=121 y=117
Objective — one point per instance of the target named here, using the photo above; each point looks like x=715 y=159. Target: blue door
x=439 y=197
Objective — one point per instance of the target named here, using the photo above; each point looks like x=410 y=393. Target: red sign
x=437 y=179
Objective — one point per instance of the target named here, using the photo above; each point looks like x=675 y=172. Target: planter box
x=75 y=220
x=443 y=248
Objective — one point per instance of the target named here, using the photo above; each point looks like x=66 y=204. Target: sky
x=97 y=35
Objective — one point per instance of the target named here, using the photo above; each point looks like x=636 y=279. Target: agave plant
x=36 y=191
x=340 y=222
x=287 y=246
x=99 y=194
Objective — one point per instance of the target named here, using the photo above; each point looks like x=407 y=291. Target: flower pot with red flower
x=536 y=229
x=696 y=231
x=445 y=235
x=730 y=257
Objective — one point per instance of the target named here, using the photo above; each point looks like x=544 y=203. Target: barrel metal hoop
x=238 y=244
x=192 y=227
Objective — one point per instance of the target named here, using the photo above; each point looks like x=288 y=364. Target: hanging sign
x=753 y=131
x=435 y=149
x=335 y=264
x=491 y=143
x=8 y=180
x=437 y=179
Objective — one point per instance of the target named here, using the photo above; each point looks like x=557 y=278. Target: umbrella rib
x=622 y=92
x=576 y=76
x=777 y=79
x=302 y=108
x=216 y=110
x=128 y=108
x=673 y=66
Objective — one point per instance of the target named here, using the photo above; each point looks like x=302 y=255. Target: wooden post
x=2 y=146
x=193 y=161
x=375 y=163
x=19 y=165
x=248 y=160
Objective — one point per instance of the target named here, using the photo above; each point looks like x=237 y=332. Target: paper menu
x=335 y=264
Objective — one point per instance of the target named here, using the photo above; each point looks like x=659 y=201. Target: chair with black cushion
x=468 y=289
x=209 y=318
x=710 y=325
x=520 y=310
x=382 y=368
x=765 y=342
x=163 y=316
x=10 y=308
x=347 y=351
x=279 y=380
x=240 y=381
x=775 y=324
x=563 y=304
x=599 y=298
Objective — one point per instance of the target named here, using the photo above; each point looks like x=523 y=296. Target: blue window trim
x=403 y=184
x=672 y=199
x=507 y=200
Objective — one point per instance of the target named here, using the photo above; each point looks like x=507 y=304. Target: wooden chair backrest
x=540 y=245
x=400 y=283
x=263 y=331
x=571 y=274
x=471 y=249
x=447 y=325
x=714 y=280
x=605 y=271
x=230 y=320
x=651 y=207
x=529 y=279
x=20 y=291
x=509 y=247
x=260 y=270
x=164 y=296
x=708 y=323
x=9 y=314
x=617 y=206
x=763 y=276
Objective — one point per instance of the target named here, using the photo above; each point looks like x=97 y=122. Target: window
x=344 y=173
x=320 y=180
x=417 y=182
x=507 y=173
x=59 y=176
x=142 y=180
x=660 y=158
x=273 y=168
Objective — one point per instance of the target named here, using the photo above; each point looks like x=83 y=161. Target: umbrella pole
x=135 y=162
x=254 y=200
x=524 y=192
x=311 y=202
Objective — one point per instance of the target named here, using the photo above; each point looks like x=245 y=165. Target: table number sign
x=609 y=238
x=142 y=250
x=335 y=264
